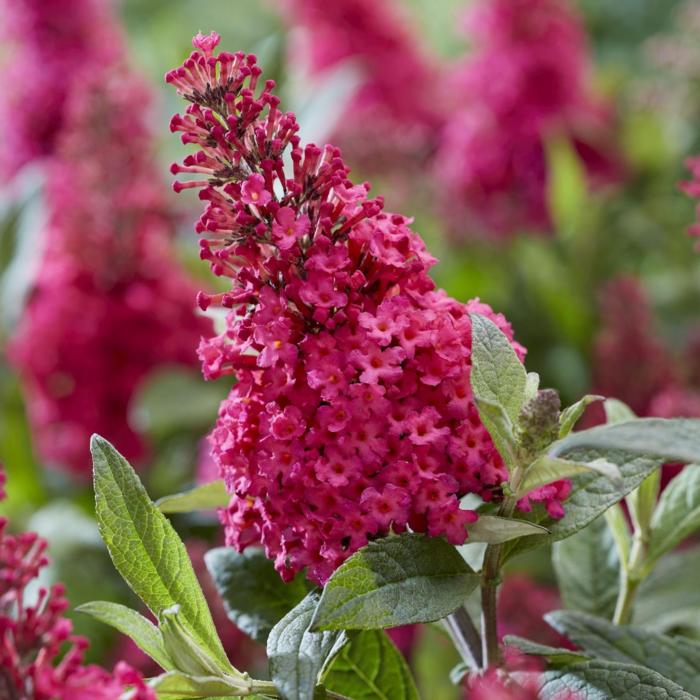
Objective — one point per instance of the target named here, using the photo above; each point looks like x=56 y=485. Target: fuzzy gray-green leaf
x=254 y=595
x=297 y=655
x=677 y=514
x=606 y=680
x=398 y=580
x=145 y=548
x=675 y=658
x=588 y=569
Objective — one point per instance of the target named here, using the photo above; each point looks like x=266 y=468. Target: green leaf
x=567 y=191
x=204 y=497
x=254 y=595
x=532 y=385
x=134 y=625
x=545 y=470
x=570 y=416
x=591 y=495
x=675 y=658
x=669 y=598
x=397 y=580
x=619 y=531
x=498 y=381
x=554 y=655
x=493 y=529
x=175 y=685
x=145 y=548
x=606 y=680
x=370 y=667
x=618 y=412
x=297 y=655
x=588 y=569
x=677 y=515
x=675 y=439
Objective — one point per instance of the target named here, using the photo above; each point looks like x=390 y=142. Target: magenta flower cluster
x=352 y=415
x=526 y=81
x=89 y=336
x=48 y=41
x=40 y=658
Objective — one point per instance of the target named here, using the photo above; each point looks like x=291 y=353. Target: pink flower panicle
x=40 y=658
x=49 y=41
x=89 y=335
x=394 y=112
x=352 y=416
x=525 y=81
x=630 y=363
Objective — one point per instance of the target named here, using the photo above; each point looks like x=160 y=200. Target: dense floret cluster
x=352 y=415
x=40 y=658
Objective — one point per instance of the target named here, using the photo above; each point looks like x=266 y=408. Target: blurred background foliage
x=548 y=287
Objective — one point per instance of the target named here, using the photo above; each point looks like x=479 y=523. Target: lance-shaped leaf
x=675 y=439
x=617 y=412
x=370 y=667
x=145 y=548
x=546 y=469
x=677 y=515
x=134 y=625
x=607 y=680
x=570 y=416
x=205 y=497
x=555 y=656
x=397 y=580
x=176 y=685
x=588 y=569
x=494 y=529
x=675 y=658
x=498 y=381
x=297 y=655
x=254 y=595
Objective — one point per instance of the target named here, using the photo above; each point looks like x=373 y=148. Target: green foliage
x=397 y=580
x=675 y=658
x=254 y=595
x=370 y=667
x=571 y=415
x=145 y=548
x=547 y=469
x=493 y=529
x=498 y=381
x=669 y=598
x=592 y=494
x=677 y=515
x=588 y=569
x=135 y=626
x=674 y=439
x=296 y=655
x=607 y=680
x=205 y=497
x=554 y=656
x=566 y=185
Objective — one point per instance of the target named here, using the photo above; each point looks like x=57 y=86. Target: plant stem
x=630 y=579
x=491 y=579
x=268 y=689
x=465 y=637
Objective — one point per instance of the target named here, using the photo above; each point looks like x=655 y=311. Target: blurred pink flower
x=395 y=110
x=48 y=42
x=526 y=81
x=111 y=302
